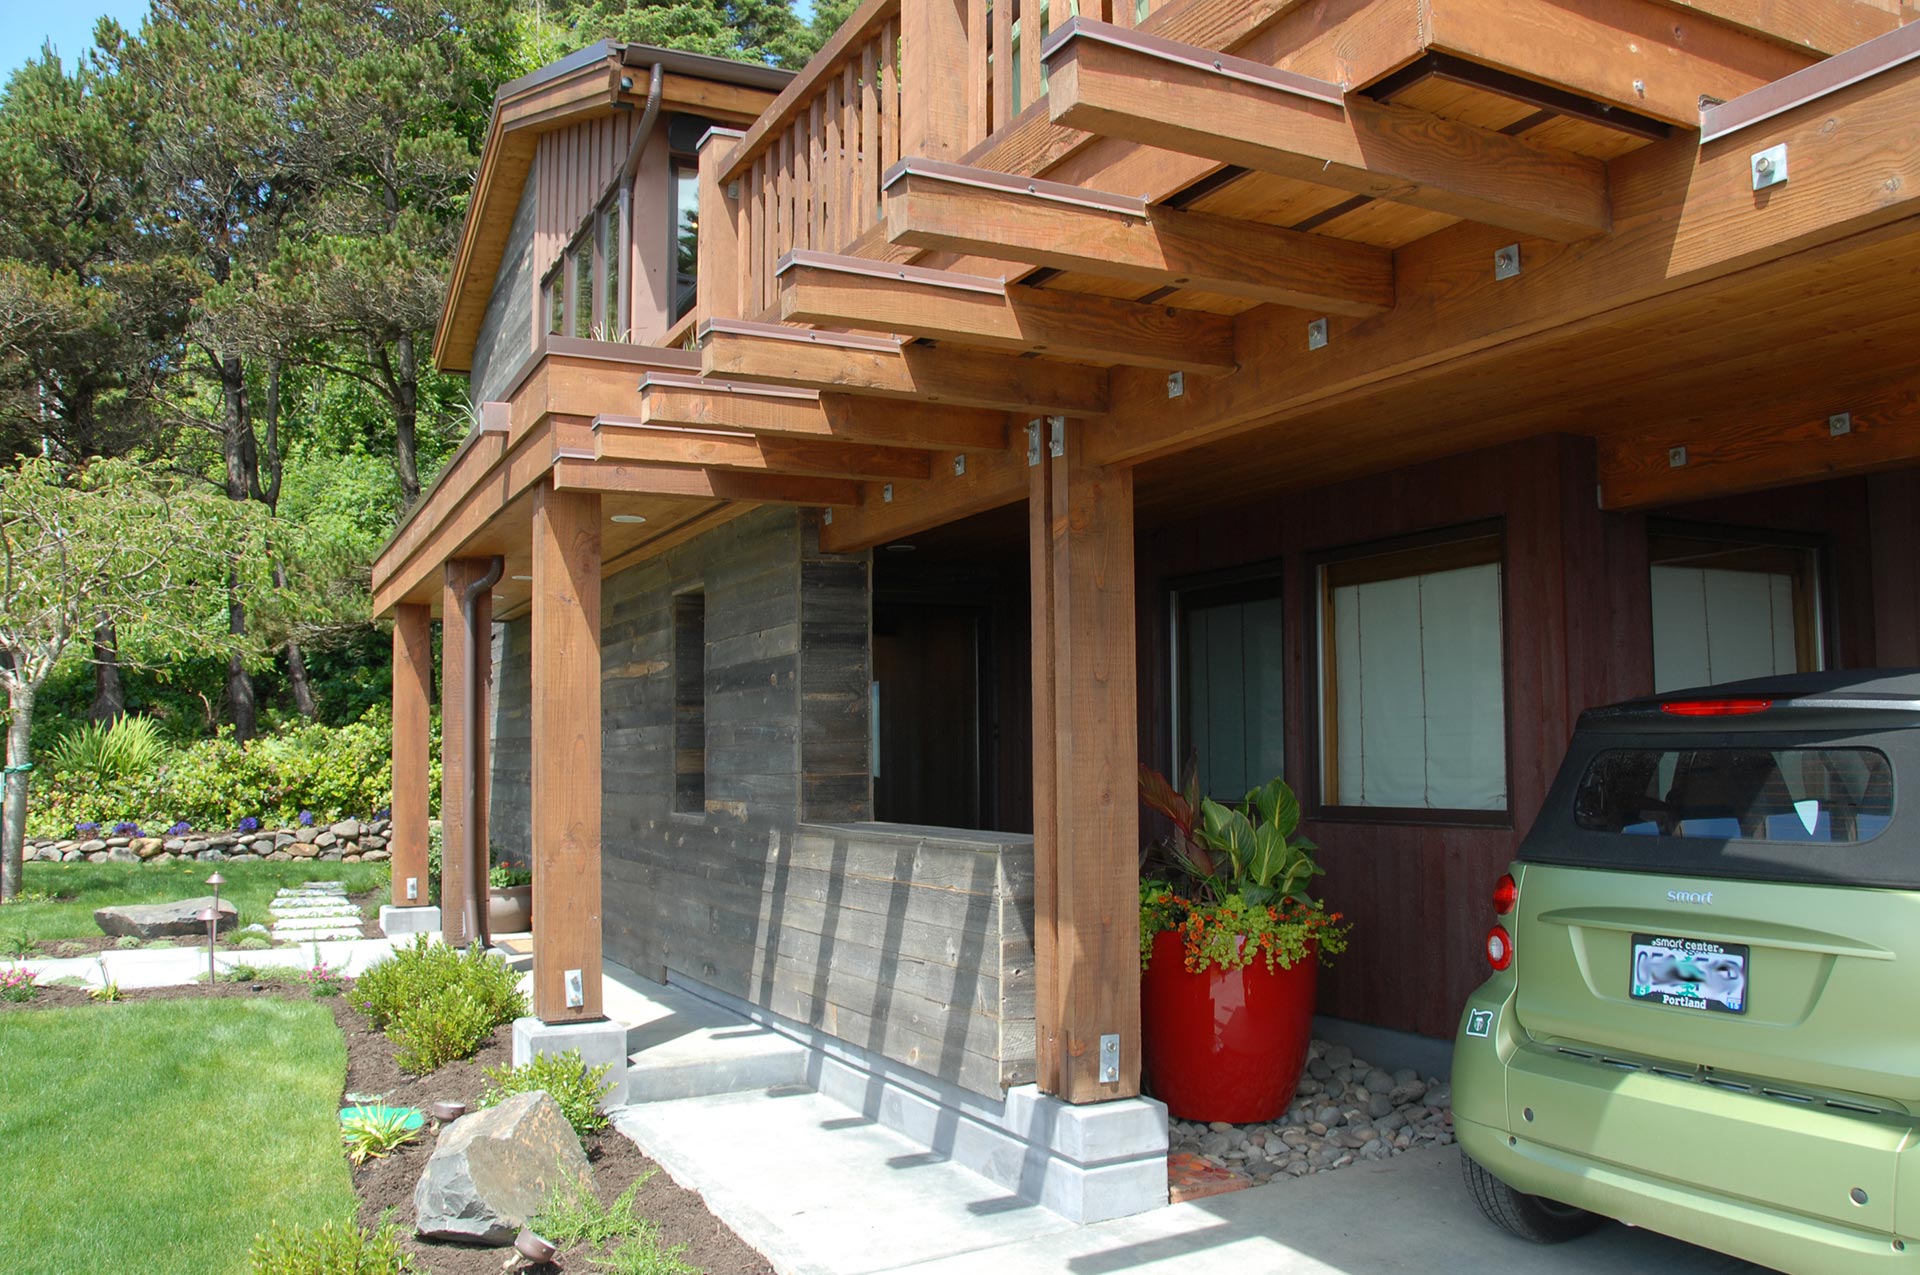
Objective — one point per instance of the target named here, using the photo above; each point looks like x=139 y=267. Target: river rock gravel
x=1345 y=1110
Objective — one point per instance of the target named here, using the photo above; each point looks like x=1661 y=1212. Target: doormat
x=1189 y=1177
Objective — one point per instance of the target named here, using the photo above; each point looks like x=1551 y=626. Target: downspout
x=475 y=902
x=629 y=169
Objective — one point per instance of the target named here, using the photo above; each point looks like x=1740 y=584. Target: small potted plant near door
x=1230 y=943
x=509 y=899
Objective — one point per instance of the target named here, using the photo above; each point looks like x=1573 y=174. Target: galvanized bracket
x=1056 y=436
x=1110 y=1059
x=1033 y=443
x=1770 y=166
x=960 y=465
x=886 y=494
x=1506 y=262
x=1676 y=457
x=1840 y=423
x=1176 y=384
x=826 y=517
x=1317 y=335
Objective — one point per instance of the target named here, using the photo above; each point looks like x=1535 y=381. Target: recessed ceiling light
x=523 y=577
x=900 y=547
x=629 y=517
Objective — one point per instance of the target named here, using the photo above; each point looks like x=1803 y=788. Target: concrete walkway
x=171 y=966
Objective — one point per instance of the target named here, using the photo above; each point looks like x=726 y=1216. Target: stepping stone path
x=316 y=910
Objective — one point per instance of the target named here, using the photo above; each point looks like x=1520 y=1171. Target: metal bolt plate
x=1840 y=423
x=1033 y=443
x=1110 y=1059
x=1317 y=335
x=1056 y=436
x=1676 y=457
x=576 y=990
x=886 y=494
x=1506 y=262
x=826 y=516
x=960 y=466
x=1770 y=166
x=1176 y=384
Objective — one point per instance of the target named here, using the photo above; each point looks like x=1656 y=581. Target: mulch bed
x=385 y=1185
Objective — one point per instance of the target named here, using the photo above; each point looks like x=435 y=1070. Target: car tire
x=1531 y=1217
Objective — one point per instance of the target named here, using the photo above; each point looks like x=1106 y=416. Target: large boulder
x=492 y=1170
x=163 y=920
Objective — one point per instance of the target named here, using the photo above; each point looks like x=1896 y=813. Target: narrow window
x=1726 y=607
x=556 y=294
x=1413 y=712
x=686 y=236
x=616 y=328
x=583 y=287
x=690 y=703
x=1232 y=705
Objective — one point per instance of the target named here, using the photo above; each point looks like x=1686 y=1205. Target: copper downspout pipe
x=629 y=169
x=475 y=902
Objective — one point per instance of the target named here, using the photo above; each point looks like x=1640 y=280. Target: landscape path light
x=212 y=917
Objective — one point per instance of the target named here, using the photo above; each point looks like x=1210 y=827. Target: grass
x=59 y=898
x=163 y=1135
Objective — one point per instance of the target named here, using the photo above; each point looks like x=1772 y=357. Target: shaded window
x=686 y=236
x=583 y=289
x=614 y=327
x=1812 y=795
x=1725 y=609
x=690 y=703
x=556 y=294
x=1231 y=709
x=1413 y=713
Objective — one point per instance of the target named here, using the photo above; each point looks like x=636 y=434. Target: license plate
x=1689 y=973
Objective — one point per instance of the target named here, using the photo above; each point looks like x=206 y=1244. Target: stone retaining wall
x=350 y=841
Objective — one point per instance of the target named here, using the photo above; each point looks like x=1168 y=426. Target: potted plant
x=509 y=899
x=1230 y=943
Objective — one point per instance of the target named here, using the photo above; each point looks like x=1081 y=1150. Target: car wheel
x=1531 y=1217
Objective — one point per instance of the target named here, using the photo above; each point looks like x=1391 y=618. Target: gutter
x=475 y=904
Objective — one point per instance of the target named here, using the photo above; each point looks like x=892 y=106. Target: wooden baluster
x=974 y=68
x=1003 y=68
x=830 y=238
x=846 y=191
x=869 y=189
x=890 y=94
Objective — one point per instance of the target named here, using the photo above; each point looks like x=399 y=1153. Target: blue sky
x=25 y=24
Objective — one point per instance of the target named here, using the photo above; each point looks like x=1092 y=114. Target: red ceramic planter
x=1224 y=1044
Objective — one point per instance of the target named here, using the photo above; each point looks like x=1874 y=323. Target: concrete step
x=686 y=1047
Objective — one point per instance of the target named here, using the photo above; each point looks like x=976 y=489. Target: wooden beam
x=565 y=748
x=1177 y=97
x=987 y=478
x=1822 y=26
x=951 y=208
x=972 y=310
x=1087 y=955
x=1759 y=444
x=632 y=440
x=886 y=368
x=412 y=697
x=589 y=475
x=459 y=703
x=781 y=411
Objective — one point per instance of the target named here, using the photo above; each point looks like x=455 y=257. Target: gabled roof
x=594 y=82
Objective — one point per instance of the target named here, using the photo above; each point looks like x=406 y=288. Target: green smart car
x=1704 y=1015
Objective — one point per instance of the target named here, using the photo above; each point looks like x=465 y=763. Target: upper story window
x=686 y=235
x=581 y=293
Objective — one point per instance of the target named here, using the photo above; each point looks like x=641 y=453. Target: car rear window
x=1784 y=795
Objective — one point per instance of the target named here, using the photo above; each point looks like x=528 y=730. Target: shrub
x=329 y=1250
x=449 y=1024
x=506 y=876
x=251 y=942
x=18 y=944
x=370 y=1134
x=16 y=984
x=574 y=1215
x=413 y=973
x=127 y=747
x=567 y=1080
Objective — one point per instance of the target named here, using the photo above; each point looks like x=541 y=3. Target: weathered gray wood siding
x=506 y=333
x=509 y=816
x=915 y=943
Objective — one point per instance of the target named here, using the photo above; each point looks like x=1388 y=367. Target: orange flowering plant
x=1239 y=877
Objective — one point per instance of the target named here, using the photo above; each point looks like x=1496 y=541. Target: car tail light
x=1715 y=707
x=1506 y=893
x=1499 y=947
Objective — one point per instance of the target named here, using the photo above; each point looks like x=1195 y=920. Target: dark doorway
x=926 y=664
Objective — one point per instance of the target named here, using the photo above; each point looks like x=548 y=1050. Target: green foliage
x=644 y=1255
x=123 y=749
x=437 y=1003
x=565 y=1078
x=1251 y=850
x=379 y=1131
x=17 y=944
x=16 y=984
x=765 y=31
x=329 y=1250
x=251 y=942
x=507 y=876
x=1232 y=933
x=126 y=941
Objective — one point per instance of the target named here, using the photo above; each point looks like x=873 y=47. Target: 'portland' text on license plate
x=1689 y=973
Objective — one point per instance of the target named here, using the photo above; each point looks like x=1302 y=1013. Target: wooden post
x=457 y=839
x=933 y=78
x=566 y=752
x=721 y=274
x=412 y=693
x=1086 y=815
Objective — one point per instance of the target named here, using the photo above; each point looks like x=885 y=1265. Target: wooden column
x=721 y=272
x=566 y=752
x=457 y=838
x=1085 y=811
x=933 y=78
x=412 y=694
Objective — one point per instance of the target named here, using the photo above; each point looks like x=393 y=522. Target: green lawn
x=78 y=888
x=161 y=1136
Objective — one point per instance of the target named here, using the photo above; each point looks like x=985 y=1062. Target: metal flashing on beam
x=987 y=179
x=1258 y=74
x=721 y=385
x=1862 y=62
x=1543 y=97
x=805 y=336
x=867 y=267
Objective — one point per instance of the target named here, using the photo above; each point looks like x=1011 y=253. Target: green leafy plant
x=108 y=991
x=17 y=945
x=16 y=984
x=644 y=1255
x=507 y=876
x=127 y=941
x=448 y=1025
x=573 y=1215
x=69 y=949
x=126 y=747
x=567 y=1080
x=370 y=1134
x=242 y=973
x=424 y=969
x=329 y=1250
x=251 y=942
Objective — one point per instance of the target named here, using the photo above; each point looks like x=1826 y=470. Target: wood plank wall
x=1578 y=633
x=915 y=945
x=572 y=166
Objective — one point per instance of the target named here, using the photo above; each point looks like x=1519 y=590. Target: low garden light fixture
x=447 y=1112
x=535 y=1248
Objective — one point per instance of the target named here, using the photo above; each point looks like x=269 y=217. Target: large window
x=1230 y=702
x=1726 y=608
x=1413 y=713
x=580 y=294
